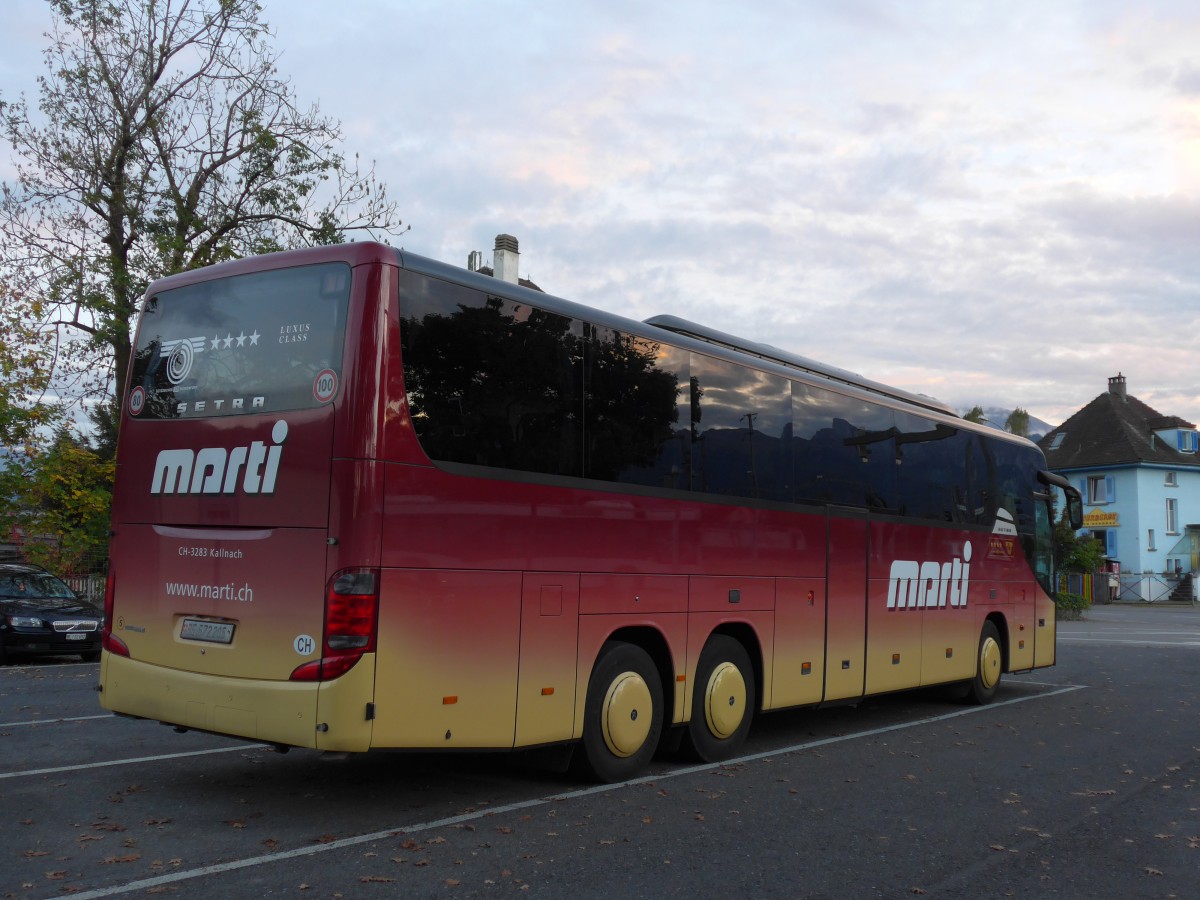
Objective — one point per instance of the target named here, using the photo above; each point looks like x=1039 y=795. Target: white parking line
x=33 y=722
x=128 y=762
x=1139 y=642
x=265 y=859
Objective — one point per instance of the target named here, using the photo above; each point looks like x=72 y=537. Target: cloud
x=992 y=204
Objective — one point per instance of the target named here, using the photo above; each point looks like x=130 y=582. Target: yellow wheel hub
x=989 y=662
x=725 y=700
x=627 y=714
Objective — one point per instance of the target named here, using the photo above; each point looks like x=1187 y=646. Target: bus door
x=846 y=603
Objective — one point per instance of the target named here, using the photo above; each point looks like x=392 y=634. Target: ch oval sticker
x=304 y=645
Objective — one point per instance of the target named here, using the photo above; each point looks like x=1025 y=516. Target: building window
x=1150 y=546
x=1108 y=540
x=1172 y=479
x=1100 y=489
x=1172 y=516
x=1189 y=441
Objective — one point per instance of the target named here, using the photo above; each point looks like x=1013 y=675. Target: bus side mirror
x=1074 y=508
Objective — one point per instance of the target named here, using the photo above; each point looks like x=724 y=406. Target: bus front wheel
x=623 y=715
x=989 y=666
x=722 y=700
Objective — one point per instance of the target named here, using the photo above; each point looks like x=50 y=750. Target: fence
x=1155 y=588
x=88 y=587
x=1130 y=588
x=1093 y=588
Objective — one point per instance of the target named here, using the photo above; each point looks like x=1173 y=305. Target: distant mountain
x=996 y=417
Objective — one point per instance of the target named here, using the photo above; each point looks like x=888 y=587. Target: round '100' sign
x=325 y=385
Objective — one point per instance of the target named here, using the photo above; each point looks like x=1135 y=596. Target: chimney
x=504 y=264
x=1116 y=385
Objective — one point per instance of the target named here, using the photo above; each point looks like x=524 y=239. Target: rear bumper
x=326 y=716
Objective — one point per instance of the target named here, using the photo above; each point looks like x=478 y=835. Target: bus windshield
x=258 y=343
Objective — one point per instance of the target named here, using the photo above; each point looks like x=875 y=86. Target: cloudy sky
x=994 y=203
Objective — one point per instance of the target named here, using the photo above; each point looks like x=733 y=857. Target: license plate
x=78 y=637
x=213 y=632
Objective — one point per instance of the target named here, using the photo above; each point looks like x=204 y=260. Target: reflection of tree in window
x=497 y=383
x=631 y=390
x=238 y=323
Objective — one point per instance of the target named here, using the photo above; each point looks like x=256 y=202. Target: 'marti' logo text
x=932 y=584
x=217 y=470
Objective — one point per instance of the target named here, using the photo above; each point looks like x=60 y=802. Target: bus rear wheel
x=989 y=666
x=722 y=701
x=623 y=715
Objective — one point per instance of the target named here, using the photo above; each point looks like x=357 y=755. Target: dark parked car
x=39 y=614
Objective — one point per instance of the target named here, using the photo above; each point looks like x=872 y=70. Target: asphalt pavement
x=1079 y=781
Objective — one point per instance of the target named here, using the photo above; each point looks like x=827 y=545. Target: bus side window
x=635 y=410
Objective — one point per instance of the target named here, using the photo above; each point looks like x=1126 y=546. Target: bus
x=365 y=499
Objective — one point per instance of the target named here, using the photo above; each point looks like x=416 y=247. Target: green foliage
x=59 y=498
x=1017 y=422
x=1075 y=553
x=975 y=414
x=105 y=418
x=26 y=353
x=164 y=140
x=1071 y=607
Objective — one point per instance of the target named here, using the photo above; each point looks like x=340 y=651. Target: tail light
x=351 y=620
x=108 y=640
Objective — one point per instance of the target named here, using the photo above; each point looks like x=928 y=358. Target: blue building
x=1139 y=473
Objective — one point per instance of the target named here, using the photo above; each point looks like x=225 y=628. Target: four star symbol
x=229 y=340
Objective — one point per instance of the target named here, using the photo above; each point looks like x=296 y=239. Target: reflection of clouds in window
x=737 y=397
x=813 y=410
x=740 y=418
x=266 y=335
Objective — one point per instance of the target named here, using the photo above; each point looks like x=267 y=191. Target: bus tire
x=989 y=666
x=723 y=700
x=623 y=715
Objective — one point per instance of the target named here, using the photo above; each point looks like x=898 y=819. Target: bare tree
x=166 y=140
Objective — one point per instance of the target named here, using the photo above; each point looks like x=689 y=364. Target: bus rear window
x=259 y=343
